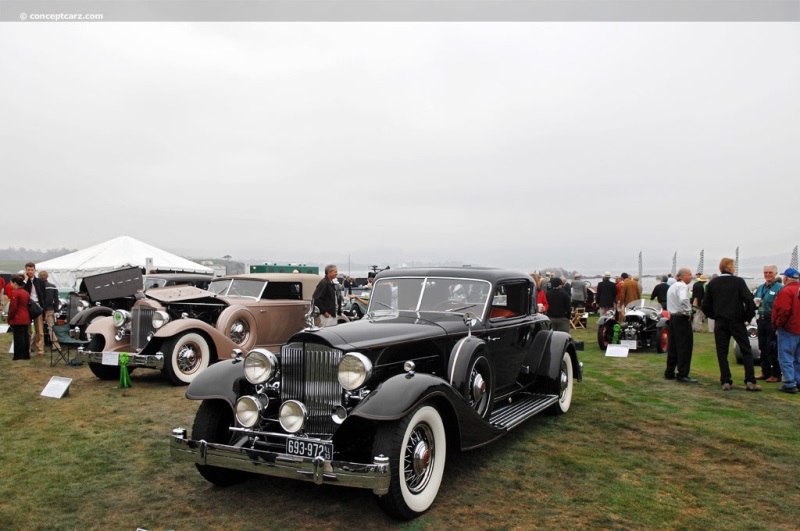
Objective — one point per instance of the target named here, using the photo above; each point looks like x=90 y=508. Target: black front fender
x=89 y=314
x=400 y=394
x=219 y=381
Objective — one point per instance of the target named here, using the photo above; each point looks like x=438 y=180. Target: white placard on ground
x=617 y=351
x=57 y=387
x=4 y=328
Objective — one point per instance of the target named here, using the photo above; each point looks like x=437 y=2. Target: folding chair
x=576 y=321
x=61 y=344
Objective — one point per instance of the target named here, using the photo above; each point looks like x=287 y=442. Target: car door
x=509 y=330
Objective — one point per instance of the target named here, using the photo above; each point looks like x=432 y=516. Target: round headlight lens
x=82 y=305
x=292 y=416
x=249 y=408
x=160 y=318
x=259 y=365
x=354 y=371
x=121 y=318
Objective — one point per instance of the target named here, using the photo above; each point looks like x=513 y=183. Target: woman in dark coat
x=19 y=319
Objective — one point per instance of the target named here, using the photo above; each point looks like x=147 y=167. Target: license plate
x=312 y=449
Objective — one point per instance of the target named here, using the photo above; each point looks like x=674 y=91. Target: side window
x=510 y=300
x=283 y=290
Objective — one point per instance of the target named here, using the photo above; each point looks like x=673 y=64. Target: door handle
x=490 y=339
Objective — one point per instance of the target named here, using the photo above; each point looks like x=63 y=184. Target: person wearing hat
x=786 y=321
x=578 y=292
x=729 y=302
x=558 y=306
x=606 y=293
x=698 y=289
x=767 y=340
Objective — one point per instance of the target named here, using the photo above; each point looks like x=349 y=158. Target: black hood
x=368 y=333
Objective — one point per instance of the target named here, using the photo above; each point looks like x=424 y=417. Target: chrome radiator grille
x=141 y=326
x=309 y=374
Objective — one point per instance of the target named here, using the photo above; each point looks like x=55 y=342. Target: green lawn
x=634 y=452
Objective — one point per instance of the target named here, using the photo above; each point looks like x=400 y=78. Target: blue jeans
x=789 y=356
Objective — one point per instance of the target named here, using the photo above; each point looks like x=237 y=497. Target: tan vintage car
x=182 y=330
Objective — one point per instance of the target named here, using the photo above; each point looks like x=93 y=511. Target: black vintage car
x=444 y=359
x=645 y=322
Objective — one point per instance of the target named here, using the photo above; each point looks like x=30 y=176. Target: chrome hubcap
x=187 y=358
x=420 y=455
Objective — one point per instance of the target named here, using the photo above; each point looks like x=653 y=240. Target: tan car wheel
x=186 y=356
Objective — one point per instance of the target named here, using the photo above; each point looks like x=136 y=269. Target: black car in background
x=444 y=359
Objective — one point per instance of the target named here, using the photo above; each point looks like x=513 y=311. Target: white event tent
x=119 y=252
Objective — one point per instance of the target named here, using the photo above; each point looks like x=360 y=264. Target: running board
x=509 y=416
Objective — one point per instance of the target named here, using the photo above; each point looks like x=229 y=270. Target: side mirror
x=470 y=319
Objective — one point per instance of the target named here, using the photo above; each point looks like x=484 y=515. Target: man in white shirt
x=679 y=306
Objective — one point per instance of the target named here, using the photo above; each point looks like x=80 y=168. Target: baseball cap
x=791 y=273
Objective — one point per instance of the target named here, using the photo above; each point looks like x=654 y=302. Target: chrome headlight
x=259 y=365
x=354 y=370
x=160 y=318
x=249 y=409
x=82 y=305
x=292 y=416
x=121 y=318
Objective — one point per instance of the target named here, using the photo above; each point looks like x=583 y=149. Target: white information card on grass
x=617 y=351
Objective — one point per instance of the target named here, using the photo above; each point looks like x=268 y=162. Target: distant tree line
x=21 y=253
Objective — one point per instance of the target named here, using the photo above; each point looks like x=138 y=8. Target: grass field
x=634 y=452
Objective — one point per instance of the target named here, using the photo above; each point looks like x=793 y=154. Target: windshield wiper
x=383 y=304
x=451 y=310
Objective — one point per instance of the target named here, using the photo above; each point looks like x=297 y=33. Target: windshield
x=642 y=303
x=154 y=283
x=430 y=295
x=238 y=287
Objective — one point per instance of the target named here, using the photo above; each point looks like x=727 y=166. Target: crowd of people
x=729 y=306
x=558 y=298
x=32 y=300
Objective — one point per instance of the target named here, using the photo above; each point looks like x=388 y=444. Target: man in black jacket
x=660 y=292
x=606 y=293
x=50 y=306
x=559 y=307
x=728 y=301
x=36 y=289
x=325 y=297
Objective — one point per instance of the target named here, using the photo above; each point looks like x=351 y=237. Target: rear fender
x=550 y=367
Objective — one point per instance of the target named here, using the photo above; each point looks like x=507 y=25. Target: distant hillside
x=30 y=255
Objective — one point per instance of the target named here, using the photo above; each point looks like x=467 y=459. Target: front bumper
x=373 y=476
x=150 y=361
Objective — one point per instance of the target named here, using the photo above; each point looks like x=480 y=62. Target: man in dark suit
x=729 y=302
x=660 y=292
x=36 y=289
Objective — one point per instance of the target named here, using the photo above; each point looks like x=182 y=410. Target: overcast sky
x=511 y=144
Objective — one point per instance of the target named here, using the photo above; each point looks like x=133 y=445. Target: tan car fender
x=222 y=345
